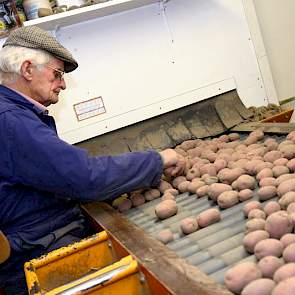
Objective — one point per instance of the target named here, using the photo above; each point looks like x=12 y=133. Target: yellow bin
x=85 y=267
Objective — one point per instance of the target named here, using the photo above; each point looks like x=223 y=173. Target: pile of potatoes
x=269 y=231
x=227 y=170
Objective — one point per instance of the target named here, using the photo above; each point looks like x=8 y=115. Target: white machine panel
x=154 y=59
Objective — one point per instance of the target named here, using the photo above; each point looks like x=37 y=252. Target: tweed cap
x=34 y=37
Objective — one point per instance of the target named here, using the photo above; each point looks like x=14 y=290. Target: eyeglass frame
x=60 y=72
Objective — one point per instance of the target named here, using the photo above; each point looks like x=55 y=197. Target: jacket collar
x=15 y=97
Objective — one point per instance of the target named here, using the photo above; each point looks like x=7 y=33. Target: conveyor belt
x=213 y=249
x=208 y=252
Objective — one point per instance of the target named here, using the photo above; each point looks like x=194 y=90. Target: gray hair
x=12 y=58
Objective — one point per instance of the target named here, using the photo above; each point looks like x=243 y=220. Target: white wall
x=277 y=24
x=157 y=58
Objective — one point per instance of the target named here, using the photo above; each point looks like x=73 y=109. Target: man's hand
x=174 y=163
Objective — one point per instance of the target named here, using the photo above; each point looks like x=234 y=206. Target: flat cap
x=34 y=37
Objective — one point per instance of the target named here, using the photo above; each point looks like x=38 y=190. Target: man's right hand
x=174 y=164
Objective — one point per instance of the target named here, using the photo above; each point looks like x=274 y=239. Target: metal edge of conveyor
x=165 y=265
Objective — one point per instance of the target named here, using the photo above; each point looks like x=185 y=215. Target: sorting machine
x=191 y=264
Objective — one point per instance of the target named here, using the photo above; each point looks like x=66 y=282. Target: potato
x=187 y=145
x=193 y=173
x=245 y=181
x=168 y=196
x=180 y=151
x=165 y=236
x=125 y=205
x=209 y=155
x=211 y=179
x=267 y=181
x=216 y=189
x=137 y=199
x=266 y=172
x=267 y=192
x=272 y=156
x=202 y=191
x=271 y=144
x=234 y=185
x=291 y=208
x=268 y=265
x=256 y=152
x=237 y=277
x=252 y=238
x=251 y=166
x=228 y=176
x=268 y=247
x=192 y=186
x=284 y=272
x=280 y=170
x=208 y=217
x=284 y=177
x=254 y=224
x=278 y=224
x=291 y=165
x=285 y=287
x=227 y=199
x=188 y=225
x=289 y=253
x=291 y=136
x=164 y=185
x=208 y=169
x=258 y=133
x=250 y=206
x=253 y=146
x=281 y=162
x=172 y=191
x=292 y=216
x=259 y=287
x=183 y=186
x=256 y=213
x=223 y=138
x=286 y=186
x=240 y=163
x=271 y=207
x=288 y=151
x=250 y=140
x=245 y=195
x=152 y=194
x=195 y=152
x=177 y=180
x=287 y=199
x=220 y=164
x=166 y=209
x=287 y=239
x=262 y=166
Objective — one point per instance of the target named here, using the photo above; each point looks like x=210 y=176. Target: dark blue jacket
x=43 y=179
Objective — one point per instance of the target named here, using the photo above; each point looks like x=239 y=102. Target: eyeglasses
x=58 y=74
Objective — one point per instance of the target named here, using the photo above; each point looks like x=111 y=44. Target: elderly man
x=43 y=178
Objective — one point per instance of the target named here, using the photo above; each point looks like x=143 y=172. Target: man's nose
x=63 y=84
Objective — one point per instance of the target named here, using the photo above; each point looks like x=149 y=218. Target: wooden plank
x=227 y=113
x=279 y=128
x=157 y=259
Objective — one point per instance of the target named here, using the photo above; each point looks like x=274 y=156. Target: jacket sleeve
x=40 y=159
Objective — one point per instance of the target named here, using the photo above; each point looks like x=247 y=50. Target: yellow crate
x=121 y=278
x=70 y=263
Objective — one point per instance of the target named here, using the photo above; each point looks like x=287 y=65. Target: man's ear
x=27 y=70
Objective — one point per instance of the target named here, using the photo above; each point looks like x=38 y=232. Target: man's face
x=47 y=82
